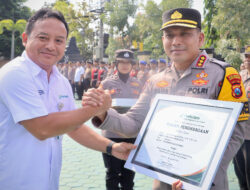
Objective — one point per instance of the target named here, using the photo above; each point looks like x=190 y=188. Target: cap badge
x=126 y=54
x=176 y=15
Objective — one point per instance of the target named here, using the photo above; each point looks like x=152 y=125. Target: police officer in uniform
x=154 y=69
x=242 y=159
x=194 y=74
x=120 y=85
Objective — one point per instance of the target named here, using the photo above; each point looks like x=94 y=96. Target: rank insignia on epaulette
x=162 y=84
x=235 y=81
x=201 y=61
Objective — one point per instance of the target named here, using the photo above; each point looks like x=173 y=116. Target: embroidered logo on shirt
x=41 y=92
x=200 y=81
x=197 y=90
x=63 y=96
x=201 y=61
x=162 y=84
x=235 y=81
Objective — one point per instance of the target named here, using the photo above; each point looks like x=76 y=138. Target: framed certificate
x=184 y=138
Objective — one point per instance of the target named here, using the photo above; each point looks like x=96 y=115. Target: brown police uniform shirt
x=142 y=76
x=119 y=89
x=205 y=78
x=245 y=76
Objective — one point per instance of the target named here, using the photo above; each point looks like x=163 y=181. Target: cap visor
x=179 y=24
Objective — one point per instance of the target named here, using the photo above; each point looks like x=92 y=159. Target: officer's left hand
x=122 y=150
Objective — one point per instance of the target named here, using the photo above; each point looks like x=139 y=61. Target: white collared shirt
x=79 y=72
x=27 y=163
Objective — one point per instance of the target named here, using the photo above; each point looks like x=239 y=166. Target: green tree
x=232 y=23
x=117 y=16
x=14 y=10
x=78 y=21
x=13 y=27
x=211 y=34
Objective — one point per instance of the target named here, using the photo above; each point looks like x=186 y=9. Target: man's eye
x=169 y=36
x=59 y=41
x=42 y=37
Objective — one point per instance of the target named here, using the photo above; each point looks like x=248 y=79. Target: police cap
x=185 y=17
x=247 y=50
x=153 y=61
x=124 y=54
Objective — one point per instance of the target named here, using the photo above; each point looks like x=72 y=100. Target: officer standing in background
x=142 y=74
x=94 y=73
x=153 y=66
x=120 y=85
x=161 y=65
x=242 y=159
x=194 y=74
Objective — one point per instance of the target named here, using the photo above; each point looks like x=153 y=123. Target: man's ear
x=201 y=39
x=24 y=38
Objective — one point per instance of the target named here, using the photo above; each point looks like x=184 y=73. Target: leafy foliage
x=232 y=24
x=14 y=10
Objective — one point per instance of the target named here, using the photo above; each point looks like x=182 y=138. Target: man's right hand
x=97 y=98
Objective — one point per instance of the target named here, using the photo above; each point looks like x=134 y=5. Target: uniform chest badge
x=200 y=81
x=235 y=81
x=162 y=84
x=201 y=61
x=112 y=91
x=60 y=106
x=135 y=84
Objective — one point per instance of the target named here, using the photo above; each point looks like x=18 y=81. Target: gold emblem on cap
x=176 y=15
x=248 y=49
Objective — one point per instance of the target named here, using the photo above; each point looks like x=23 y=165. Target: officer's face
x=124 y=66
x=46 y=43
x=247 y=62
x=182 y=44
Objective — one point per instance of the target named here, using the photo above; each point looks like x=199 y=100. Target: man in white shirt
x=38 y=108
x=78 y=80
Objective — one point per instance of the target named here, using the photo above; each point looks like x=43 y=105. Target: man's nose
x=50 y=45
x=177 y=40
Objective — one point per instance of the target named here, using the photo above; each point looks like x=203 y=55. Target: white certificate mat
x=184 y=138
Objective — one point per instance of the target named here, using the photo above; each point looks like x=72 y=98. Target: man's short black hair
x=42 y=14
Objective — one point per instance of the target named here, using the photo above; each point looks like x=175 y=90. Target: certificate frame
x=157 y=153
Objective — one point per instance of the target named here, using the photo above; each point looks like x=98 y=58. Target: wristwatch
x=109 y=148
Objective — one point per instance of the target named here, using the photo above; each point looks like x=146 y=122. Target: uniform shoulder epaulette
x=220 y=63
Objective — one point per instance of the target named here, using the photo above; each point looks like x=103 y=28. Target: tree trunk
x=12 y=54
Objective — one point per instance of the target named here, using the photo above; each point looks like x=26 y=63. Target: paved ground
x=83 y=169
